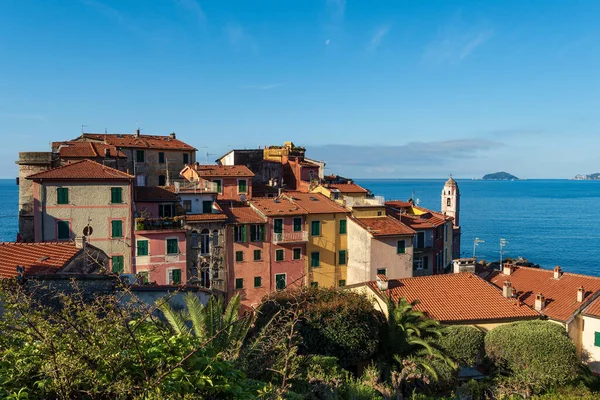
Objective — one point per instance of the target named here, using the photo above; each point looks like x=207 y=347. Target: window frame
x=259 y=280
x=312 y=259
x=379 y=271
x=239 y=233
x=186 y=158
x=294 y=253
x=168 y=243
x=219 y=183
x=344 y=224
x=239 y=186
x=139 y=153
x=257 y=233
x=239 y=283
x=171 y=276
x=403 y=248
x=277 y=282
x=276 y=222
x=312 y=228
x=61 y=193
x=113 y=224
x=161 y=157
x=58 y=229
x=162 y=178
x=299 y=225
x=116 y=195
x=137 y=247
x=259 y=253
x=345 y=253
x=239 y=256
x=119 y=257
x=279 y=252
x=205 y=206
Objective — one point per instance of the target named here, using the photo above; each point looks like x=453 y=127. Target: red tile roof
x=398 y=204
x=384 y=226
x=82 y=170
x=72 y=149
x=593 y=309
x=130 y=140
x=213 y=171
x=243 y=215
x=415 y=222
x=37 y=258
x=154 y=193
x=315 y=203
x=560 y=294
x=457 y=298
x=347 y=187
x=205 y=217
x=276 y=206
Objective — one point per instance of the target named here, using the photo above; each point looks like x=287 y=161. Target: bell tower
x=451 y=200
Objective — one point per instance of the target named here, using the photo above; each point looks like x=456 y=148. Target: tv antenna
x=209 y=154
x=84 y=126
x=476 y=243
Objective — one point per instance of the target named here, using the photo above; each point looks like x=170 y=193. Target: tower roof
x=451 y=182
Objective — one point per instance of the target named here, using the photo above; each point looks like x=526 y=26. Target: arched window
x=215 y=237
x=205 y=241
x=448 y=202
x=194 y=239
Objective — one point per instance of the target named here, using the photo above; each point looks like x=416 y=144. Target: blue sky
x=390 y=89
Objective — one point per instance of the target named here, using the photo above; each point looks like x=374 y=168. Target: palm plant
x=215 y=323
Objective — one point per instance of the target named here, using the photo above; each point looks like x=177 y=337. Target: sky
x=377 y=89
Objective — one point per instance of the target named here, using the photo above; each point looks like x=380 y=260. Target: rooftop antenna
x=83 y=126
x=105 y=131
x=209 y=154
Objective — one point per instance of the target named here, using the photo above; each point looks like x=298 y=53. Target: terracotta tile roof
x=205 y=217
x=207 y=171
x=130 y=140
x=243 y=215
x=275 y=207
x=384 y=226
x=593 y=309
x=457 y=298
x=398 y=204
x=72 y=149
x=415 y=222
x=560 y=294
x=347 y=187
x=82 y=170
x=154 y=193
x=315 y=203
x=37 y=258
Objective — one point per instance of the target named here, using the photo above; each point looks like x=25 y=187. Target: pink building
x=233 y=182
x=160 y=239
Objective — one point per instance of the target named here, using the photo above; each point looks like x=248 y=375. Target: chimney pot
x=507 y=269
x=507 y=289
x=540 y=302
x=137 y=132
x=173 y=135
x=557 y=272
x=580 y=294
x=382 y=284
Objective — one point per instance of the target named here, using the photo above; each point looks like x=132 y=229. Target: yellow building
x=354 y=197
x=327 y=246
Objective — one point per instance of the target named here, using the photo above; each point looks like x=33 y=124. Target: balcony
x=201 y=186
x=155 y=224
x=290 y=237
x=375 y=201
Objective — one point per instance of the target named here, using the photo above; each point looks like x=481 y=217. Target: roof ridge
x=551 y=271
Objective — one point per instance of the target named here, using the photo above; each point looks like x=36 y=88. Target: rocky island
x=500 y=176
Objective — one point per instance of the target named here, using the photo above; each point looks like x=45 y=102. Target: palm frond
x=175 y=319
x=196 y=314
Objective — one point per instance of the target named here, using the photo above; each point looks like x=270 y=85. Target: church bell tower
x=451 y=200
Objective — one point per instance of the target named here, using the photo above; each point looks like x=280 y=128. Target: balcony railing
x=290 y=237
x=200 y=186
x=152 y=224
x=369 y=201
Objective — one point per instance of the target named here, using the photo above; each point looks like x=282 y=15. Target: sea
x=548 y=222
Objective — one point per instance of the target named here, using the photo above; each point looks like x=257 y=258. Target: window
x=172 y=246
x=279 y=254
x=161 y=157
x=446 y=237
x=420 y=240
x=379 y=213
x=417 y=264
x=242 y=186
x=218 y=182
x=448 y=202
x=162 y=180
x=342 y=227
x=315 y=228
x=165 y=210
x=175 y=276
x=239 y=283
x=239 y=256
x=62 y=196
x=315 y=259
x=143 y=277
x=142 y=247
x=280 y=281
x=297 y=224
x=257 y=281
x=342 y=282
x=215 y=237
x=187 y=206
x=426 y=262
x=139 y=155
x=239 y=233
x=597 y=339
x=257 y=255
x=116 y=195
x=314 y=284
x=401 y=247
x=205 y=241
x=140 y=180
x=278 y=225
x=257 y=233
x=342 y=257
x=186 y=158
x=117 y=264
x=207 y=206
x=194 y=239
x=117 y=228
x=297 y=253
x=63 y=230
x=381 y=271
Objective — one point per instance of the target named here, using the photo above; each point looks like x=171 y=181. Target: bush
x=462 y=343
x=539 y=354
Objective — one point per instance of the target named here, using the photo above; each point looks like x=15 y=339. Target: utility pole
x=476 y=243
x=503 y=243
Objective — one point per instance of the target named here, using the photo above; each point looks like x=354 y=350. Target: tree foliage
x=462 y=343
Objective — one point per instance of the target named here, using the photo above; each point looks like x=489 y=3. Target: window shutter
x=597 y=339
x=142 y=248
x=117 y=264
x=172 y=246
x=235 y=233
x=342 y=257
x=401 y=247
x=64 y=230
x=261 y=228
x=257 y=281
x=239 y=283
x=342 y=226
x=243 y=227
x=176 y=276
x=117 y=228
x=62 y=196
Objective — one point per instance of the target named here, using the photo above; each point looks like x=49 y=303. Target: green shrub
x=539 y=354
x=462 y=343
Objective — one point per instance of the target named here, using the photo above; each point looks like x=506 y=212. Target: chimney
x=580 y=294
x=79 y=242
x=279 y=191
x=540 y=302
x=508 y=269
x=137 y=132
x=382 y=284
x=557 y=272
x=172 y=135
x=507 y=289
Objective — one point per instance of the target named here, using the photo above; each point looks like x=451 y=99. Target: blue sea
x=549 y=222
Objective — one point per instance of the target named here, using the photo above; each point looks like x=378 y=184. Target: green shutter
x=64 y=230
x=280 y=281
x=239 y=256
x=297 y=254
x=279 y=255
x=401 y=247
x=342 y=257
x=243 y=227
x=257 y=255
x=62 y=196
x=239 y=283
x=161 y=157
x=116 y=195
x=257 y=281
x=342 y=282
x=218 y=182
x=176 y=276
x=278 y=226
x=597 y=339
x=261 y=229
x=297 y=224
x=139 y=155
x=314 y=259
x=172 y=246
x=342 y=227
x=117 y=264
x=314 y=284
x=316 y=228
x=207 y=206
x=117 y=228
x=242 y=186
x=142 y=247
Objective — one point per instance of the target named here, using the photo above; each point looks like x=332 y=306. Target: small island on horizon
x=590 y=177
x=500 y=176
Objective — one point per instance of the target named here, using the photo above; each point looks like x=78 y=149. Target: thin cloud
x=117 y=17
x=262 y=87
x=381 y=32
x=192 y=7
x=337 y=9
x=238 y=37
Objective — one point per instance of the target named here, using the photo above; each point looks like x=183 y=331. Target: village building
x=160 y=237
x=380 y=246
x=88 y=199
x=451 y=208
x=70 y=151
x=232 y=182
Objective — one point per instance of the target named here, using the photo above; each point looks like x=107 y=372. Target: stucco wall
x=327 y=244
x=359 y=244
x=158 y=263
x=197 y=201
x=151 y=168
x=590 y=352
x=384 y=255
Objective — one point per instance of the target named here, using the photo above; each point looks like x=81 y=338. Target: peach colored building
x=233 y=182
